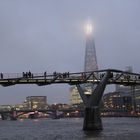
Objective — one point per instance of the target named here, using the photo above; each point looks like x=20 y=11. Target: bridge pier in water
x=92 y=118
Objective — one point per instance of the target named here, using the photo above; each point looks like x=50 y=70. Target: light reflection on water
x=69 y=129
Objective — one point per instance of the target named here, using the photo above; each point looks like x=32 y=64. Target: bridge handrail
x=116 y=76
x=37 y=75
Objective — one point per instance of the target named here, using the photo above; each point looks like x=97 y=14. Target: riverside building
x=36 y=102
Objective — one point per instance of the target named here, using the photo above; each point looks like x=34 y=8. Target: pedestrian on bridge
x=54 y=73
x=24 y=74
x=1 y=75
x=45 y=74
x=29 y=74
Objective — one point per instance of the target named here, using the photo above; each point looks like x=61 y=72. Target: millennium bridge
x=99 y=79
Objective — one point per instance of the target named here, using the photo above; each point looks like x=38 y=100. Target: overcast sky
x=48 y=35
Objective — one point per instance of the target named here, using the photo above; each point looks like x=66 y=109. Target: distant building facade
x=75 y=97
x=132 y=91
x=36 y=102
x=122 y=101
x=116 y=101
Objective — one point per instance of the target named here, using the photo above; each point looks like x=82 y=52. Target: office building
x=75 y=97
x=116 y=101
x=36 y=102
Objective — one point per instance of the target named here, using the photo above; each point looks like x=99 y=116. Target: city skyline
x=49 y=36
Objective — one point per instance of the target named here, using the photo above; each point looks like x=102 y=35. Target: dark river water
x=69 y=129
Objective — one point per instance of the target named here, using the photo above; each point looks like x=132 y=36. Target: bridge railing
x=11 y=75
x=115 y=76
x=19 y=75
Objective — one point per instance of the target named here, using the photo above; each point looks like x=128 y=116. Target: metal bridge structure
x=100 y=79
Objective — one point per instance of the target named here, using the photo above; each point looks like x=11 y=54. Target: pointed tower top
x=89 y=28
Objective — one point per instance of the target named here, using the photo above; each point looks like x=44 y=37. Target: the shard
x=90 y=57
x=90 y=52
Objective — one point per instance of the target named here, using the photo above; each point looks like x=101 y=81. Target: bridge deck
x=116 y=77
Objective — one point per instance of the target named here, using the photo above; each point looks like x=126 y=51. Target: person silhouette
x=1 y=75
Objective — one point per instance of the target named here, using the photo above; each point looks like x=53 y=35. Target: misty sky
x=48 y=35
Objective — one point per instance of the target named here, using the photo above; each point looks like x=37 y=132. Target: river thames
x=69 y=129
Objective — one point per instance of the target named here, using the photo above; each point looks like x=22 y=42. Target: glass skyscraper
x=90 y=64
x=90 y=54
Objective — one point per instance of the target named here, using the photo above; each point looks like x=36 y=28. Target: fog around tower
x=48 y=35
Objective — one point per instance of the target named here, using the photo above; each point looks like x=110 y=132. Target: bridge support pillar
x=92 y=119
